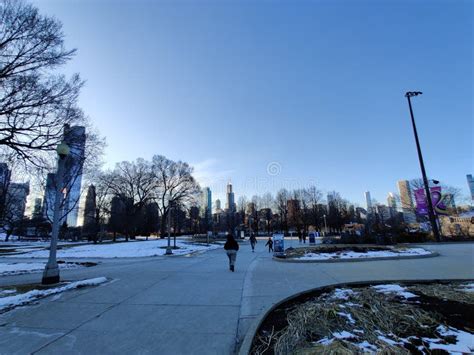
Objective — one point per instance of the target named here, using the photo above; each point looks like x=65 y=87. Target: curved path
x=189 y=305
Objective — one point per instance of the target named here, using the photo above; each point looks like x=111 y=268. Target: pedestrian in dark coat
x=253 y=241
x=270 y=244
x=231 y=247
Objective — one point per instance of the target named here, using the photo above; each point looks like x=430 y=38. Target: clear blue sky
x=315 y=86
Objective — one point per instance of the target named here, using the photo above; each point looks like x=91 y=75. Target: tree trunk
x=163 y=226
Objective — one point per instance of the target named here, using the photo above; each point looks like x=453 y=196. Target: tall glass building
x=75 y=137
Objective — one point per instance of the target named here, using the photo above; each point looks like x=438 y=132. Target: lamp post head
x=63 y=150
x=436 y=182
x=412 y=93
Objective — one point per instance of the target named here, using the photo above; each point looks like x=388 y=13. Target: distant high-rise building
x=470 y=183
x=75 y=137
x=206 y=204
x=368 y=201
x=49 y=196
x=230 y=204
x=16 y=196
x=89 y=223
x=251 y=209
x=5 y=175
x=293 y=207
x=391 y=200
x=383 y=212
x=218 y=205
x=331 y=197
x=37 y=209
x=406 y=200
x=392 y=204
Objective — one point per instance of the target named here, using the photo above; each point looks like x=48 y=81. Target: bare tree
x=254 y=213
x=267 y=201
x=35 y=103
x=174 y=185
x=242 y=205
x=282 y=198
x=313 y=197
x=133 y=183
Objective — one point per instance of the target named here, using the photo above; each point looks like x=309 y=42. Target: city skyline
x=279 y=105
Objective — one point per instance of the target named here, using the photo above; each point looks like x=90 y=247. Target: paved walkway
x=189 y=305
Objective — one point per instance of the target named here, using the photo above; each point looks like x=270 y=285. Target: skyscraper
x=392 y=203
x=391 y=200
x=49 y=196
x=230 y=204
x=75 y=137
x=5 y=175
x=293 y=206
x=470 y=183
x=331 y=197
x=218 y=205
x=206 y=203
x=17 y=194
x=383 y=212
x=406 y=200
x=37 y=209
x=368 y=201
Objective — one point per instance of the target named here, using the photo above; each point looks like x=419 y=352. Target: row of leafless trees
x=296 y=210
x=134 y=194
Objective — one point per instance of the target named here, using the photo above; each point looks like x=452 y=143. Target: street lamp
x=325 y=226
x=168 y=248
x=434 y=225
x=51 y=271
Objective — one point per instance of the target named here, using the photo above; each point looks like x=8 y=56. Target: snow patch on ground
x=21 y=299
x=364 y=346
x=343 y=335
x=131 y=249
x=394 y=289
x=342 y=293
x=367 y=255
x=464 y=341
x=467 y=287
x=348 y=316
x=9 y=269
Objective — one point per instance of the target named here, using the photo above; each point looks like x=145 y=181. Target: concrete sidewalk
x=189 y=305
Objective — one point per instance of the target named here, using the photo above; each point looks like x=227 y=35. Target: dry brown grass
x=373 y=314
x=442 y=291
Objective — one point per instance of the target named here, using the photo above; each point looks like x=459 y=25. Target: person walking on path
x=253 y=241
x=231 y=247
x=270 y=244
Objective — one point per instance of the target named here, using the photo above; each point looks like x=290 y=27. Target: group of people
x=232 y=247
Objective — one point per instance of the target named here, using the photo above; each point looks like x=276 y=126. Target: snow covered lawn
x=131 y=249
x=9 y=299
x=9 y=269
x=348 y=254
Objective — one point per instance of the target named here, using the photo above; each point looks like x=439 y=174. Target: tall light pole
x=325 y=226
x=168 y=248
x=431 y=215
x=51 y=271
